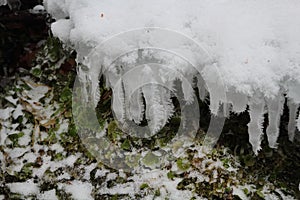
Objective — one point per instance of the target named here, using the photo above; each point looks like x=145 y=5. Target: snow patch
x=47 y=195
x=79 y=190
x=24 y=188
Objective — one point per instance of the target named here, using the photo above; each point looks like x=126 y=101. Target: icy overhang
x=254 y=44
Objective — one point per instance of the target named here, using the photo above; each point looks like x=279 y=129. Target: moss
x=126 y=145
x=113 y=131
x=26 y=172
x=171 y=175
x=36 y=71
x=157 y=193
x=183 y=164
x=66 y=95
x=58 y=157
x=14 y=138
x=144 y=186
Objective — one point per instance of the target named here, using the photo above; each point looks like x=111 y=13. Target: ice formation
x=255 y=46
x=3 y=2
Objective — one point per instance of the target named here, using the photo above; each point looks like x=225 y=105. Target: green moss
x=14 y=138
x=36 y=71
x=171 y=175
x=66 y=95
x=183 y=164
x=58 y=157
x=144 y=186
x=113 y=131
x=72 y=131
x=26 y=172
x=126 y=145
x=157 y=193
x=260 y=194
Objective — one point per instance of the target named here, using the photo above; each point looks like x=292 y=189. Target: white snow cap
x=3 y=2
x=255 y=44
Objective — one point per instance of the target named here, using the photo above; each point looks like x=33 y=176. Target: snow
x=64 y=125
x=3 y=2
x=38 y=8
x=156 y=179
x=62 y=28
x=17 y=152
x=78 y=189
x=88 y=170
x=18 y=111
x=57 y=148
x=101 y=173
x=37 y=91
x=25 y=140
x=238 y=191
x=24 y=188
x=12 y=100
x=254 y=45
x=47 y=195
x=5 y=113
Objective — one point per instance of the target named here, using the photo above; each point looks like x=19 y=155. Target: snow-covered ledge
x=254 y=44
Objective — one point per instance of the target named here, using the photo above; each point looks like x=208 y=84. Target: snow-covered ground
x=42 y=156
x=247 y=50
x=45 y=163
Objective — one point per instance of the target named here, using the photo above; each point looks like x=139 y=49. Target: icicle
x=165 y=96
x=84 y=81
x=187 y=88
x=201 y=87
x=298 y=123
x=215 y=86
x=154 y=109
x=158 y=103
x=118 y=102
x=239 y=100
x=92 y=74
x=275 y=110
x=256 y=111
x=292 y=119
x=136 y=107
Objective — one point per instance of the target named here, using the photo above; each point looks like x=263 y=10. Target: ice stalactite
x=130 y=84
x=202 y=88
x=293 y=108
x=118 y=102
x=136 y=107
x=157 y=112
x=255 y=126
x=215 y=87
x=293 y=95
x=239 y=101
x=187 y=89
x=298 y=123
x=275 y=110
x=158 y=108
x=264 y=57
